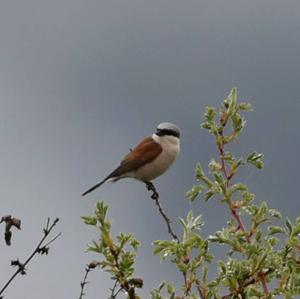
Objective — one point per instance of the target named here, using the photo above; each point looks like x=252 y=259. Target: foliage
x=262 y=258
x=119 y=255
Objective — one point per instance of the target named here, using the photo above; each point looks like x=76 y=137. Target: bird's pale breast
x=160 y=164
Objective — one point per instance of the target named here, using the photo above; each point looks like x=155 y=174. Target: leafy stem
x=118 y=255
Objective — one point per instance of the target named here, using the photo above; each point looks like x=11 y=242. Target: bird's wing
x=146 y=151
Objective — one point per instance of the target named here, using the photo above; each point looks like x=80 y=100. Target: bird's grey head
x=167 y=129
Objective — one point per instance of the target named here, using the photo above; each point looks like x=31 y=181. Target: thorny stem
x=155 y=197
x=237 y=217
x=234 y=210
x=37 y=249
x=264 y=282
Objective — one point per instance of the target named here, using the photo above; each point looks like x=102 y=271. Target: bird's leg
x=150 y=187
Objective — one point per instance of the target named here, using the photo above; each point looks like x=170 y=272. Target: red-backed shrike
x=149 y=159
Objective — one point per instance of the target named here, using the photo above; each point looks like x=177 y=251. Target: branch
x=126 y=285
x=186 y=285
x=263 y=280
x=202 y=293
x=155 y=197
x=39 y=249
x=115 y=293
x=252 y=281
x=233 y=210
x=228 y=177
x=89 y=267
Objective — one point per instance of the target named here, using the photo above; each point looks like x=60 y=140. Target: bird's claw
x=154 y=195
x=150 y=187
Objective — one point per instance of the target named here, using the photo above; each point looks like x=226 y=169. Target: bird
x=149 y=159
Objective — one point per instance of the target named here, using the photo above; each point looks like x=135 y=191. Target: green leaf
x=170 y=289
x=228 y=157
x=289 y=225
x=205 y=273
x=182 y=267
x=239 y=187
x=89 y=220
x=274 y=213
x=214 y=165
x=123 y=239
x=101 y=211
x=206 y=125
x=256 y=160
x=208 y=195
x=245 y=106
x=213 y=239
x=238 y=122
x=210 y=113
x=230 y=102
x=275 y=230
x=193 y=193
x=296 y=230
x=135 y=244
x=199 y=173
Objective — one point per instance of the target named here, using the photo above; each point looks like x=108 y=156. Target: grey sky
x=82 y=81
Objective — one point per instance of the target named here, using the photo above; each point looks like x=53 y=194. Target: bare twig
x=113 y=291
x=52 y=240
x=155 y=197
x=84 y=282
x=40 y=248
x=89 y=267
x=114 y=296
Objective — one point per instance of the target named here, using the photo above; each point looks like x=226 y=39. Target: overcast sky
x=82 y=81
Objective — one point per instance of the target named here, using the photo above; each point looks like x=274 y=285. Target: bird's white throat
x=166 y=139
x=170 y=144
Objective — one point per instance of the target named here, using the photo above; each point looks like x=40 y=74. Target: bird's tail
x=114 y=176
x=94 y=187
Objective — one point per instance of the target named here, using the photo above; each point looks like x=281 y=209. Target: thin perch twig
x=155 y=197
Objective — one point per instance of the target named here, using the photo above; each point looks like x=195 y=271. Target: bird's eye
x=159 y=132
